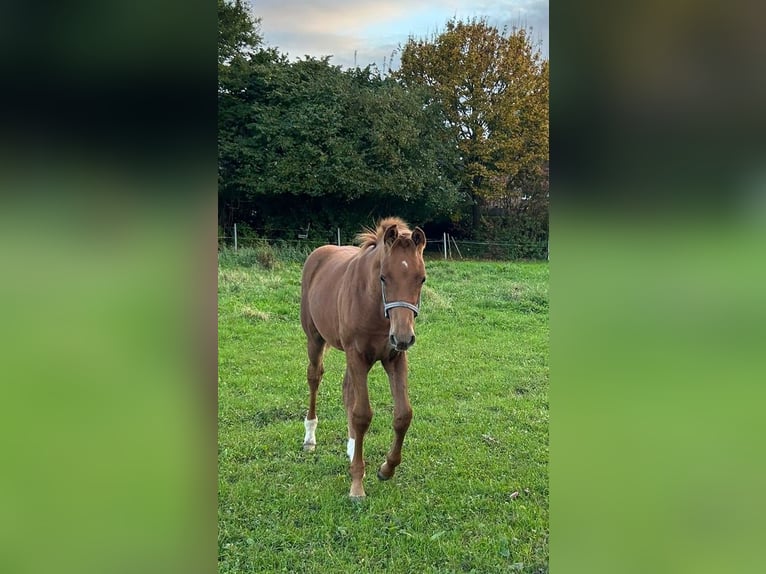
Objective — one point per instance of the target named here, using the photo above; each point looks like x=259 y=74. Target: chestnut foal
x=363 y=301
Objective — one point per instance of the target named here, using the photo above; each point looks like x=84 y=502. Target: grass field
x=471 y=494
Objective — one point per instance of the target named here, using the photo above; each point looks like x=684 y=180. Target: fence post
x=444 y=238
x=339 y=237
x=235 y=237
x=456 y=247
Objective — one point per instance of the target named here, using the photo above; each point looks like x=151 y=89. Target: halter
x=386 y=306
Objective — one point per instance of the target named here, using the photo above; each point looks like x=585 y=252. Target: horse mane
x=372 y=237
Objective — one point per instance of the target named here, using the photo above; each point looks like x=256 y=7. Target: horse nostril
x=400 y=345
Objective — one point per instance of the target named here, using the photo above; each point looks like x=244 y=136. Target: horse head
x=402 y=274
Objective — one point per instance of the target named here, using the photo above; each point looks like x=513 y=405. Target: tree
x=238 y=41
x=494 y=88
x=338 y=147
x=237 y=30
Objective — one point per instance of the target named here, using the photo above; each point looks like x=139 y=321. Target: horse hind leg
x=348 y=401
x=314 y=372
x=356 y=397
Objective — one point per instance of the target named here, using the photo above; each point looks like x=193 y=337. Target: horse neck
x=369 y=271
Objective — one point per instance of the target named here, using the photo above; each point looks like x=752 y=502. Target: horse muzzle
x=401 y=344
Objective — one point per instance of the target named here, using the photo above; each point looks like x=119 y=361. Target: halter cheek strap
x=387 y=306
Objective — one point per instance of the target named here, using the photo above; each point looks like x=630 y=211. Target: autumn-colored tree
x=494 y=86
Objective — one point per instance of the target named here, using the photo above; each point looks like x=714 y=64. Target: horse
x=363 y=301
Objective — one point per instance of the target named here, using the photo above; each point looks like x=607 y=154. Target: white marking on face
x=350 y=448
x=311 y=427
x=405 y=264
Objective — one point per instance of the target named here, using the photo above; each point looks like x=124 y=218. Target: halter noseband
x=386 y=306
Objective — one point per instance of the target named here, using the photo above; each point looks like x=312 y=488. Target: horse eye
x=424 y=280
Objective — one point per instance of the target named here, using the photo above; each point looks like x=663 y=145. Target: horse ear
x=419 y=238
x=392 y=232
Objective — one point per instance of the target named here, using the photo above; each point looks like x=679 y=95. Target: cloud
x=368 y=31
x=334 y=15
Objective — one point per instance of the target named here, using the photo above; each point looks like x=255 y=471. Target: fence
x=446 y=246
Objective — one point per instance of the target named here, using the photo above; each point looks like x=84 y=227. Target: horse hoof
x=356 y=492
x=382 y=477
x=309 y=447
x=358 y=497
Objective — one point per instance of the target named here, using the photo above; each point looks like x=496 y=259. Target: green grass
x=479 y=390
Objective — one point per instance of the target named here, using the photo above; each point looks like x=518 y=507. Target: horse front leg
x=396 y=368
x=360 y=416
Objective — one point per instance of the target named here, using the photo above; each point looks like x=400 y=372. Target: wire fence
x=446 y=246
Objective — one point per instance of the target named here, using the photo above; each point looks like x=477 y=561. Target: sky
x=375 y=29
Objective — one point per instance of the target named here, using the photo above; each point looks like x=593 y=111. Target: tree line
x=455 y=139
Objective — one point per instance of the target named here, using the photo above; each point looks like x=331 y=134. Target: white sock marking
x=311 y=427
x=350 y=448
